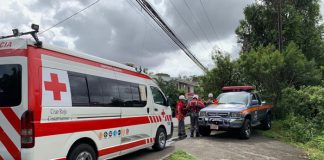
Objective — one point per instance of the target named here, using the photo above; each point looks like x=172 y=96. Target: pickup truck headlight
x=202 y=114
x=236 y=114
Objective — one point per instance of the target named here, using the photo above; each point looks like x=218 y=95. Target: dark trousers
x=194 y=124
x=181 y=128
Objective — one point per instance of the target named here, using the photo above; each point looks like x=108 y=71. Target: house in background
x=185 y=84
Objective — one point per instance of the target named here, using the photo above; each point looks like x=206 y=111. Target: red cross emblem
x=55 y=86
x=163 y=113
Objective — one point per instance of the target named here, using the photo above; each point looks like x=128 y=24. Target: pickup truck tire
x=204 y=131
x=266 y=123
x=245 y=131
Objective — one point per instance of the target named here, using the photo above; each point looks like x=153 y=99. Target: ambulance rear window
x=10 y=85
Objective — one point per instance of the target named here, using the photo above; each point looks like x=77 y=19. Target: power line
x=155 y=16
x=67 y=18
x=209 y=21
x=186 y=23
x=193 y=15
x=146 y=18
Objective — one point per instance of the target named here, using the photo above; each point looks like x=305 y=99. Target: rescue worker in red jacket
x=194 y=106
x=180 y=114
x=211 y=100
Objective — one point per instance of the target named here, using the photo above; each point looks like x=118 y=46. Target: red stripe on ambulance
x=9 y=145
x=121 y=147
x=12 y=118
x=47 y=129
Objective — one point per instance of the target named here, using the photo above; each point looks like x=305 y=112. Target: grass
x=180 y=155
x=313 y=148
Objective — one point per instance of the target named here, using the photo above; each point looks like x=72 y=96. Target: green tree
x=262 y=67
x=300 y=24
x=225 y=73
x=170 y=89
x=272 y=71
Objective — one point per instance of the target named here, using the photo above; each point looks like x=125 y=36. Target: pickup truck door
x=261 y=112
x=255 y=114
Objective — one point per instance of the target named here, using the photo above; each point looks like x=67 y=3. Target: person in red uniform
x=211 y=100
x=194 y=106
x=180 y=114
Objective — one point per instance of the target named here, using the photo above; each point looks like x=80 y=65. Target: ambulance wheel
x=82 y=152
x=245 y=131
x=160 y=140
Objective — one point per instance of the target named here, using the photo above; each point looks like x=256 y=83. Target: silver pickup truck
x=238 y=110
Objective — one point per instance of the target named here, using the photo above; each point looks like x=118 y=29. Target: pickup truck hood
x=224 y=108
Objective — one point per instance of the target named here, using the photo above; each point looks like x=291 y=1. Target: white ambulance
x=60 y=104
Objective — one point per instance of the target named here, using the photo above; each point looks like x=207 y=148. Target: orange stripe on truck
x=252 y=109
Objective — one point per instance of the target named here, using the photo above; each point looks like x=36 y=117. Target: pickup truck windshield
x=10 y=85
x=233 y=98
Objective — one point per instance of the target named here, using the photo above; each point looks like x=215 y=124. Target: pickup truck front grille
x=215 y=114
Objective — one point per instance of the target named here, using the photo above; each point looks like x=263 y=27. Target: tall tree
x=298 y=19
x=225 y=73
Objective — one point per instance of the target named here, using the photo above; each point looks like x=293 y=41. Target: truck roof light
x=238 y=88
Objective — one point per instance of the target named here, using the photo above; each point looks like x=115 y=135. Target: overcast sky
x=119 y=30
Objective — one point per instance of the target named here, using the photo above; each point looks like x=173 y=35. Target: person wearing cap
x=194 y=106
x=211 y=100
x=180 y=114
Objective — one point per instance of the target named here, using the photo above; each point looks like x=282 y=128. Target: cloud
x=118 y=30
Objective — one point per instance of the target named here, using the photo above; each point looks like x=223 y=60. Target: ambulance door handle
x=148 y=110
x=155 y=109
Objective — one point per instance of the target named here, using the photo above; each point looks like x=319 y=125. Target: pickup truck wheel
x=160 y=140
x=204 y=131
x=245 y=131
x=266 y=124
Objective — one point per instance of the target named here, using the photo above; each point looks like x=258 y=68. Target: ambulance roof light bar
x=33 y=33
x=238 y=88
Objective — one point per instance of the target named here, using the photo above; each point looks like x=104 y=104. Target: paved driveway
x=225 y=146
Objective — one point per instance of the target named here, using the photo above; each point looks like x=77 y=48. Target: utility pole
x=157 y=18
x=279 y=20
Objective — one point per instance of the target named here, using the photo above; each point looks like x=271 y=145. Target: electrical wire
x=196 y=19
x=155 y=16
x=67 y=18
x=209 y=21
x=186 y=23
x=151 y=24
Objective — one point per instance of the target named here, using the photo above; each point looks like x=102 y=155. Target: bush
x=318 y=142
x=307 y=102
x=299 y=129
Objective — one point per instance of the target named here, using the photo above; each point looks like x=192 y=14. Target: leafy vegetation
x=170 y=89
x=180 y=155
x=314 y=147
x=290 y=78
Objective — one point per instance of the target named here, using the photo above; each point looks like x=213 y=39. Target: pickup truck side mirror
x=254 y=102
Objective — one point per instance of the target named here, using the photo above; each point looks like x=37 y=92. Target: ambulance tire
x=245 y=131
x=82 y=151
x=160 y=139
